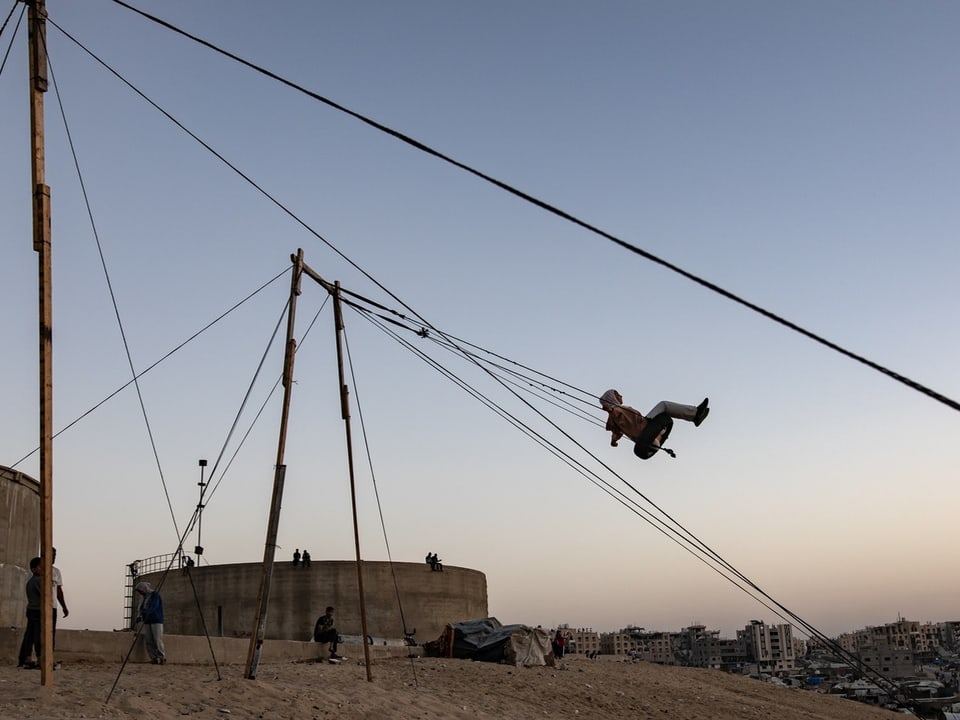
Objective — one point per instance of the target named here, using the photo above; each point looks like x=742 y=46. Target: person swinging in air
x=648 y=432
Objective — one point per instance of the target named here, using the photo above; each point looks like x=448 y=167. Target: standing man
x=296 y=557
x=31 y=636
x=325 y=632
x=151 y=614
x=559 y=644
x=57 y=597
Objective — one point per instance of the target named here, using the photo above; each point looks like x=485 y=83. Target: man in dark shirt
x=325 y=632
x=31 y=636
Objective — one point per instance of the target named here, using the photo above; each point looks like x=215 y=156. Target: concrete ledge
x=112 y=647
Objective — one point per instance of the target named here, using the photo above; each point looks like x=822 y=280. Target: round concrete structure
x=227 y=596
x=19 y=542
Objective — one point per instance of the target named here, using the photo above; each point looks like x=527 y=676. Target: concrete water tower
x=19 y=541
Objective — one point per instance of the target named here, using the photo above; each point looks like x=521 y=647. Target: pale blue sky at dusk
x=803 y=156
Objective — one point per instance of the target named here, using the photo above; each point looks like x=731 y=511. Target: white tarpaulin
x=488 y=640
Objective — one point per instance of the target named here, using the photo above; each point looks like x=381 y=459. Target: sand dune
x=417 y=688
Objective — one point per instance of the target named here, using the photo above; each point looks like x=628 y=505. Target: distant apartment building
x=699 y=647
x=950 y=635
x=717 y=653
x=581 y=640
x=890 y=661
x=769 y=646
x=693 y=646
x=684 y=641
x=852 y=641
x=927 y=641
x=896 y=648
x=705 y=650
x=922 y=639
x=656 y=647
x=733 y=656
x=621 y=642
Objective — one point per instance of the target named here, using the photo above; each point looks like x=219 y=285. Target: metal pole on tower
x=199 y=548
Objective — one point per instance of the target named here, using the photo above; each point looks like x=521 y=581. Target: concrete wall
x=228 y=597
x=19 y=542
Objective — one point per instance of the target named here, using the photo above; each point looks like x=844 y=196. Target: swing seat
x=653 y=436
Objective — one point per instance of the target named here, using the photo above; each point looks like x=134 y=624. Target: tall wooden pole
x=41 y=244
x=345 y=413
x=273 y=522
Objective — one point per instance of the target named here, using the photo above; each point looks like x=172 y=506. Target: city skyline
x=745 y=624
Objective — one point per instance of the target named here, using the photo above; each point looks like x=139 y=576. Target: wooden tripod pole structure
x=37 y=30
x=345 y=413
x=273 y=522
x=334 y=290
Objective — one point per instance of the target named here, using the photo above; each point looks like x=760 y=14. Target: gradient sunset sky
x=803 y=156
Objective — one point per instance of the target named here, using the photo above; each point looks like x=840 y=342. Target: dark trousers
x=329 y=636
x=31 y=638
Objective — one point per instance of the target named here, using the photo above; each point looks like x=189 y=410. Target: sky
x=802 y=156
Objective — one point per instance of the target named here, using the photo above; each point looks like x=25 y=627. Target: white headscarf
x=611 y=397
x=143 y=588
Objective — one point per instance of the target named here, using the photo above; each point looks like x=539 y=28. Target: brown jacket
x=624 y=420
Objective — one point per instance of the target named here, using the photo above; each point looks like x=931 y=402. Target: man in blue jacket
x=151 y=615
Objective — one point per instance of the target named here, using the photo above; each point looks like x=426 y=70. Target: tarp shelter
x=488 y=640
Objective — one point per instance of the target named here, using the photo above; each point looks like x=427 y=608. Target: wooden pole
x=345 y=413
x=273 y=522
x=37 y=31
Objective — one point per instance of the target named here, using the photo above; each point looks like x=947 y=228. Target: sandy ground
x=418 y=688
